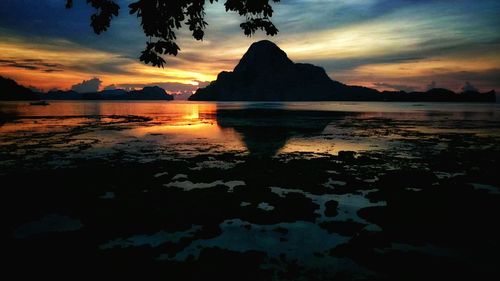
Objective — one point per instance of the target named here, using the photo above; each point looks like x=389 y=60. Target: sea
x=253 y=190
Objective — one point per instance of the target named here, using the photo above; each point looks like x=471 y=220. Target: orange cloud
x=75 y=63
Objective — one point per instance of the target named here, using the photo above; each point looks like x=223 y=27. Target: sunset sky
x=385 y=44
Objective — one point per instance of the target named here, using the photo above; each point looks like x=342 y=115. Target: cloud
x=396 y=87
x=110 y=87
x=87 y=86
x=182 y=96
x=432 y=85
x=469 y=87
x=35 y=89
x=31 y=64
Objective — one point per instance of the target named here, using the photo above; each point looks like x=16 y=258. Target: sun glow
x=61 y=64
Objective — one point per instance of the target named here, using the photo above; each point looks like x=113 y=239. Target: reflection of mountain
x=266 y=130
x=7 y=115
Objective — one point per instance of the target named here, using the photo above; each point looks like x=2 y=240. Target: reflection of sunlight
x=324 y=146
x=194 y=113
x=181 y=129
x=188 y=120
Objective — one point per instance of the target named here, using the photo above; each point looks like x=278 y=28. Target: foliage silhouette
x=161 y=18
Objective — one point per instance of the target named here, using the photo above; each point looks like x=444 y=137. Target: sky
x=384 y=44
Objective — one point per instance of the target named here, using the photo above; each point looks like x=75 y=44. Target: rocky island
x=147 y=93
x=11 y=90
x=265 y=73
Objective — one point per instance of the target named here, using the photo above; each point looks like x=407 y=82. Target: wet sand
x=253 y=191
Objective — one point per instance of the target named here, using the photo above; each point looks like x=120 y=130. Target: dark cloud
x=432 y=85
x=23 y=66
x=481 y=80
x=111 y=67
x=405 y=88
x=110 y=87
x=87 y=86
x=52 y=70
x=353 y=63
x=35 y=89
x=32 y=64
x=469 y=87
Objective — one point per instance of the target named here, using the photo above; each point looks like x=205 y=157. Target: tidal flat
x=252 y=191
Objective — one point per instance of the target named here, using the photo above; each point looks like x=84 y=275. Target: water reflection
x=265 y=131
x=260 y=129
x=7 y=115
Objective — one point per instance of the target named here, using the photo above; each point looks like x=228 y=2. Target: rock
x=345 y=228
x=331 y=208
x=346 y=155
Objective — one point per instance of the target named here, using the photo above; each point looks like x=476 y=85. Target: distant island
x=265 y=73
x=147 y=93
x=10 y=90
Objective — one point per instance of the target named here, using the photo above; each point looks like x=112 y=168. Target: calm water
x=269 y=191
x=259 y=128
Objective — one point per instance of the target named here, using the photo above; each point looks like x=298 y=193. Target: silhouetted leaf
x=161 y=18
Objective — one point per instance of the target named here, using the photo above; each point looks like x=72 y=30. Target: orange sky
x=377 y=45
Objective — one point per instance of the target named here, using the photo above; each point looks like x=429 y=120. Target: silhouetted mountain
x=61 y=95
x=111 y=94
x=10 y=90
x=476 y=96
x=147 y=93
x=265 y=73
x=439 y=95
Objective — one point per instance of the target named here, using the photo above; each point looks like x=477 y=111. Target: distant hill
x=265 y=73
x=10 y=90
x=439 y=95
x=147 y=93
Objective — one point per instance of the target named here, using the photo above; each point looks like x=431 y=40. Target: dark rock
x=346 y=155
x=345 y=228
x=331 y=208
